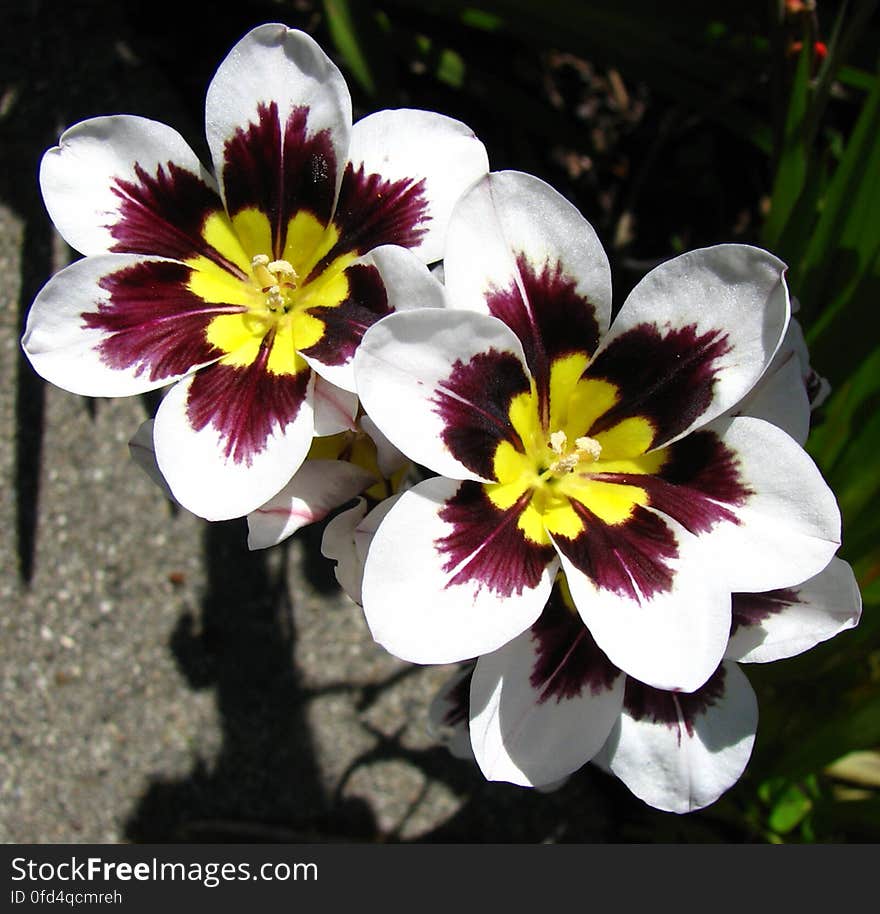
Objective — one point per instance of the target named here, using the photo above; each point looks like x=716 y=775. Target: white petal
x=140 y=446
x=335 y=408
x=821 y=608
x=210 y=484
x=510 y=213
x=347 y=539
x=79 y=177
x=679 y=770
x=401 y=365
x=788 y=527
x=781 y=397
x=317 y=488
x=673 y=639
x=338 y=543
x=422 y=145
x=67 y=352
x=273 y=63
x=412 y=606
x=522 y=737
x=454 y=735
x=734 y=291
x=408 y=282
x=389 y=459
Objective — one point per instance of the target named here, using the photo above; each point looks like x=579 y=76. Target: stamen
x=558 y=440
x=273 y=277
x=264 y=277
x=585 y=448
x=588 y=447
x=275 y=298
x=282 y=268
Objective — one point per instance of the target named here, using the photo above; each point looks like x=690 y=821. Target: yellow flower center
x=551 y=477
x=277 y=300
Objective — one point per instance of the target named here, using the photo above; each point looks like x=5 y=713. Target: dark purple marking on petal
x=474 y=403
x=676 y=710
x=153 y=322
x=164 y=215
x=698 y=485
x=487 y=540
x=548 y=315
x=345 y=324
x=280 y=170
x=667 y=377
x=630 y=559
x=567 y=659
x=753 y=608
x=372 y=211
x=245 y=404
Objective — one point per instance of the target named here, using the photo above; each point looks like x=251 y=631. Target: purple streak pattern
x=568 y=660
x=675 y=710
x=153 y=322
x=474 y=403
x=666 y=377
x=245 y=404
x=495 y=552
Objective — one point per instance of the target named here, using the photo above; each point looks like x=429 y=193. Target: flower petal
x=385 y=280
x=335 y=409
x=143 y=453
x=448 y=714
x=424 y=162
x=119 y=324
x=317 y=488
x=338 y=544
x=129 y=185
x=648 y=592
x=485 y=582
x=228 y=439
x=781 y=397
x=278 y=121
x=543 y=705
x=783 y=623
x=541 y=268
x=408 y=282
x=680 y=752
x=388 y=458
x=758 y=500
x=347 y=539
x=693 y=338
x=438 y=384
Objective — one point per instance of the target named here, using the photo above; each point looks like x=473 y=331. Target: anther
x=588 y=447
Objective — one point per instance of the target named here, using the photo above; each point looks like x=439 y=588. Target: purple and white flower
x=563 y=442
x=539 y=708
x=244 y=286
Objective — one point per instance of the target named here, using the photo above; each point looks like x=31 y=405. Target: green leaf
x=360 y=42
x=856 y=725
x=791 y=172
x=838 y=277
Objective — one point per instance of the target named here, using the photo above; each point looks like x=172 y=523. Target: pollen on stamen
x=272 y=274
x=282 y=269
x=588 y=447
x=558 y=440
x=585 y=448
